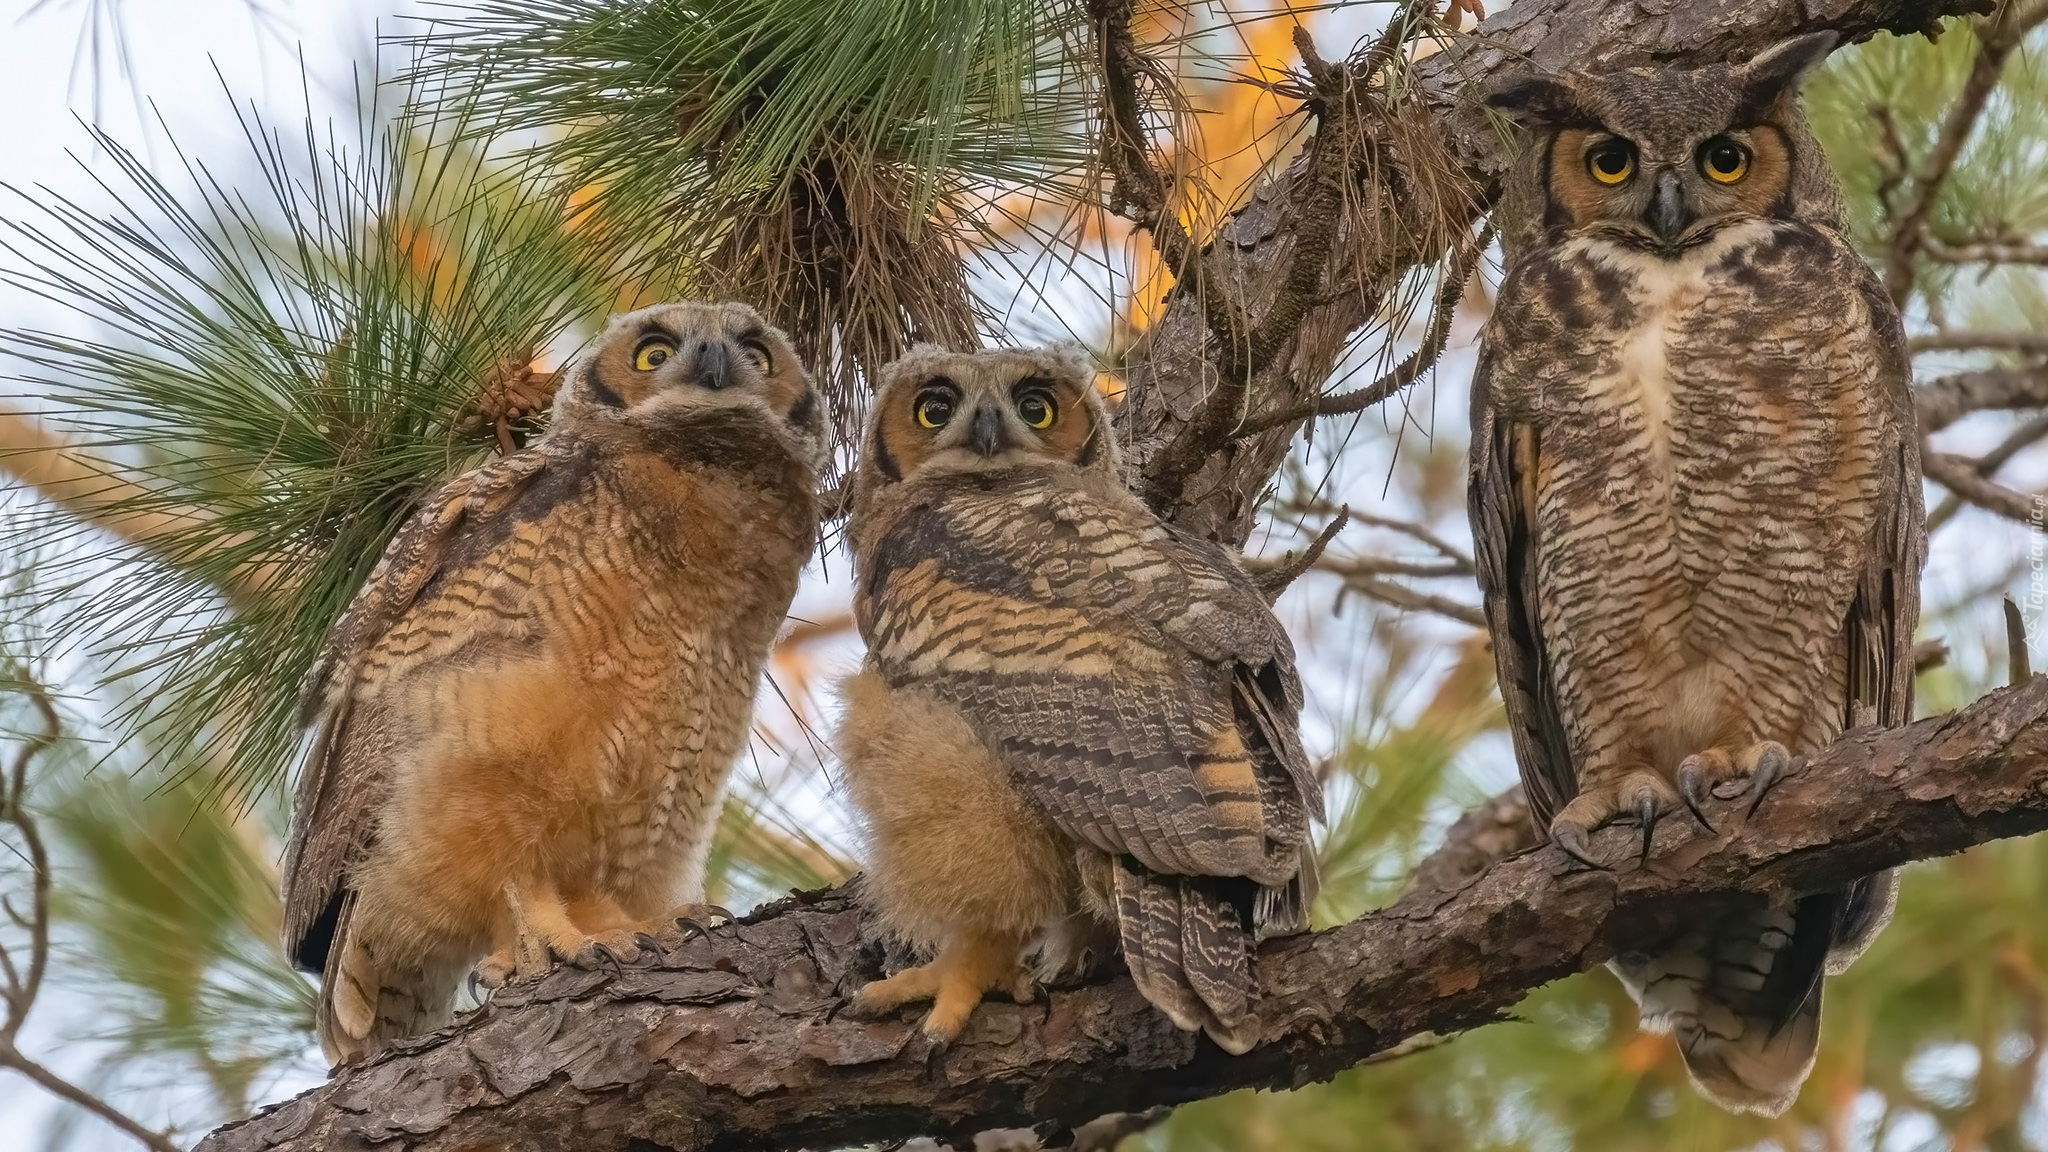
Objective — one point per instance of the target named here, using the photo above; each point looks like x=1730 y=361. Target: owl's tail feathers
x=1742 y=998
x=363 y=1007
x=1189 y=953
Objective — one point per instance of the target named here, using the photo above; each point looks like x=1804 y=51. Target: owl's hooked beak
x=985 y=434
x=1666 y=214
x=712 y=365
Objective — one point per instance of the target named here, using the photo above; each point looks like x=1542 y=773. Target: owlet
x=527 y=716
x=1072 y=718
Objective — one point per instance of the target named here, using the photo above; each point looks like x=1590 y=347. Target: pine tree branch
x=737 y=1040
x=104 y=495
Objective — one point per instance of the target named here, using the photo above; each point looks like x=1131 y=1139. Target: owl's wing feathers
x=1878 y=635
x=342 y=782
x=1502 y=495
x=1134 y=680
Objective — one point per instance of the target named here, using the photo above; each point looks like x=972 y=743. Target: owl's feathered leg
x=967 y=968
x=542 y=916
x=1634 y=792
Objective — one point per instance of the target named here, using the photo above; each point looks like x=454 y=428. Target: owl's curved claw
x=1571 y=840
x=691 y=929
x=1646 y=815
x=1694 y=788
x=649 y=946
x=1772 y=761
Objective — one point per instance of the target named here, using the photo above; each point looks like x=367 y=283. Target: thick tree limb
x=736 y=1041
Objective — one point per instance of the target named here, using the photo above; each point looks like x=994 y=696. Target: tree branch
x=1959 y=475
x=20 y=983
x=736 y=1041
x=1945 y=400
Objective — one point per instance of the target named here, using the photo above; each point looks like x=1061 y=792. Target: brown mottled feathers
x=338 y=812
x=1121 y=670
x=1131 y=684
x=528 y=714
x=1696 y=508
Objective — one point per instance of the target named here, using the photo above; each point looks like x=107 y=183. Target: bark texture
x=736 y=1041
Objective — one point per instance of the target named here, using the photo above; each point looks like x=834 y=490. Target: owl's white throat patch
x=1659 y=289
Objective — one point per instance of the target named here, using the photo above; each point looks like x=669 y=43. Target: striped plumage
x=1068 y=711
x=1696 y=507
x=536 y=697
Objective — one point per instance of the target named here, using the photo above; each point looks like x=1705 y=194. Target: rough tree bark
x=735 y=1041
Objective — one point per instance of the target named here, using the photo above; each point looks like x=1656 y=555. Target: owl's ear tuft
x=1537 y=100
x=1778 y=70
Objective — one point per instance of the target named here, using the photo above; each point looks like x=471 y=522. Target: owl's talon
x=1646 y=815
x=1571 y=840
x=1694 y=787
x=648 y=944
x=1772 y=759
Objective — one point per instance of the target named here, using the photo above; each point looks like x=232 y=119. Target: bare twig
x=1986 y=252
x=1274 y=577
x=24 y=981
x=1947 y=399
x=1959 y=475
x=1409 y=370
x=1358 y=578
x=2025 y=343
x=1998 y=37
x=1987 y=465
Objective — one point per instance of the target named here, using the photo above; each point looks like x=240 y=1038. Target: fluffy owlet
x=1695 y=496
x=528 y=714
x=1071 y=717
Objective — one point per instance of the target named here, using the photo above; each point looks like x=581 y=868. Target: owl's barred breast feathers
x=1128 y=686
x=529 y=711
x=1695 y=505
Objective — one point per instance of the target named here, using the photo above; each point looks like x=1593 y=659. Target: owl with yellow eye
x=1696 y=510
x=528 y=714
x=1075 y=725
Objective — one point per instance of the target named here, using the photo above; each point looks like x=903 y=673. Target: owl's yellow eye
x=652 y=354
x=1723 y=160
x=755 y=350
x=1037 y=408
x=934 y=407
x=1612 y=162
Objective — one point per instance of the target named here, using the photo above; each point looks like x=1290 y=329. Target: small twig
x=1409 y=370
x=1943 y=401
x=2019 y=668
x=1959 y=475
x=24 y=984
x=1987 y=465
x=1403 y=597
x=1999 y=37
x=1986 y=252
x=2025 y=343
x=1273 y=577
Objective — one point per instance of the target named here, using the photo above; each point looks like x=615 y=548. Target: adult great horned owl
x=528 y=713
x=1071 y=716
x=1695 y=495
